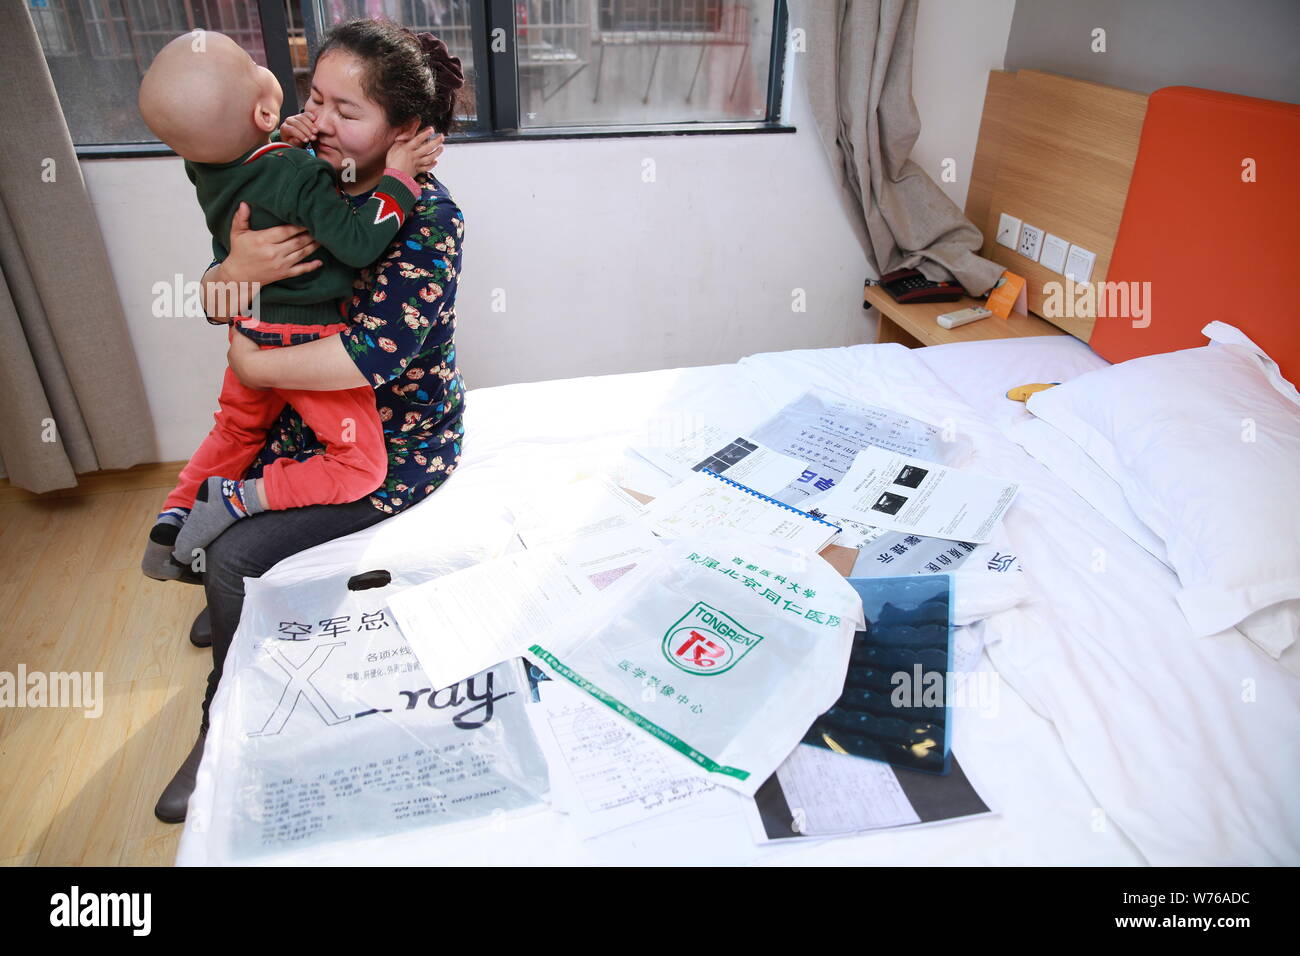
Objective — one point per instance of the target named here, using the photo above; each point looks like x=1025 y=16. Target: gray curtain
x=70 y=388
x=858 y=66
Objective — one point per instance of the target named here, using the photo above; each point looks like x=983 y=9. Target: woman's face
x=349 y=124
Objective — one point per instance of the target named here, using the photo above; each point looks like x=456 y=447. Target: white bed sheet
x=981 y=373
x=1111 y=655
x=1081 y=774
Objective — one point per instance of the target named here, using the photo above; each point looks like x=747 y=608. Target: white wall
x=957 y=43
x=602 y=272
x=1246 y=47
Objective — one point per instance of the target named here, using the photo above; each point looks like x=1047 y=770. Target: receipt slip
x=900 y=493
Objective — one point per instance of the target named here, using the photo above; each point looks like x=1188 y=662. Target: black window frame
x=496 y=86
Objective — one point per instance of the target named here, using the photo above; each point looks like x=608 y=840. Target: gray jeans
x=251 y=547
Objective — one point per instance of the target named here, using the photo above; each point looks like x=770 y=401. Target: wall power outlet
x=1031 y=242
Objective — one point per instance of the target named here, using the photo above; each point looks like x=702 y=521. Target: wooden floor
x=76 y=790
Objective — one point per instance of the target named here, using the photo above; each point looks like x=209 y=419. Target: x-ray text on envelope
x=331 y=730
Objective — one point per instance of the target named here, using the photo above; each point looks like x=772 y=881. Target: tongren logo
x=706 y=641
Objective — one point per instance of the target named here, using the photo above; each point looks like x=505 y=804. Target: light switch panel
x=1079 y=263
x=1008 y=231
x=1054 y=252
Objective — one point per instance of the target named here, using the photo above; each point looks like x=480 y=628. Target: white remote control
x=951 y=320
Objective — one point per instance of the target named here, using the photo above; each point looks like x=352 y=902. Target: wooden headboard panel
x=1154 y=186
x=1056 y=153
x=1211 y=243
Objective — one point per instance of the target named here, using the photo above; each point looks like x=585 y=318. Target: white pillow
x=1275 y=630
x=1062 y=456
x=1206 y=446
x=1290 y=657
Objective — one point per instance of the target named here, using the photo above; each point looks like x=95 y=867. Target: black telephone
x=907 y=286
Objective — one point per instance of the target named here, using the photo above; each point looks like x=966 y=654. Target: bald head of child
x=205 y=98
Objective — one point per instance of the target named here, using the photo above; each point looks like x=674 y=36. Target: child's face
x=350 y=125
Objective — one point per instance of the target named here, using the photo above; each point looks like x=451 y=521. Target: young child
x=205 y=98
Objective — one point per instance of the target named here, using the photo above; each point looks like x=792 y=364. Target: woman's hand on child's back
x=298 y=130
x=263 y=256
x=257 y=257
x=416 y=154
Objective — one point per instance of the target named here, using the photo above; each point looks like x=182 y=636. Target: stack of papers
x=824 y=470
x=468 y=620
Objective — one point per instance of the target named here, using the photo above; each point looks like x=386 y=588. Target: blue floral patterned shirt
x=403 y=340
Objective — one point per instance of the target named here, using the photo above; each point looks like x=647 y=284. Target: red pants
x=354 y=463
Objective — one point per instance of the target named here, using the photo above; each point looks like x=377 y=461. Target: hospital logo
x=705 y=641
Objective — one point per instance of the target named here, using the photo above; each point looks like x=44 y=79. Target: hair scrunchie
x=446 y=68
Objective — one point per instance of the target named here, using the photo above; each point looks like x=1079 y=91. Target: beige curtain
x=70 y=387
x=858 y=66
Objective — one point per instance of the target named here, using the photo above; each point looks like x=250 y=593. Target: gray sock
x=219 y=504
x=158 y=562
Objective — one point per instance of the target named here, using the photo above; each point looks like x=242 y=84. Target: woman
x=372 y=84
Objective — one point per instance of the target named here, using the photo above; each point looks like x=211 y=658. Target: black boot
x=175 y=800
x=201 y=629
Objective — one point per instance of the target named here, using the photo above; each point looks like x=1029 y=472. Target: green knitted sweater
x=284 y=184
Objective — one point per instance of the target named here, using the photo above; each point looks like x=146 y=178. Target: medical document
x=895 y=491
x=724 y=452
x=332 y=734
x=606 y=774
x=827 y=430
x=818 y=793
x=705 y=501
x=466 y=621
x=577 y=509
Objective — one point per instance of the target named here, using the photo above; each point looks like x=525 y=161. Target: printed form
x=702 y=502
x=895 y=491
x=466 y=621
x=724 y=452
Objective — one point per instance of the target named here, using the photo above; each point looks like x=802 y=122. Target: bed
x=1118 y=739
x=1119 y=736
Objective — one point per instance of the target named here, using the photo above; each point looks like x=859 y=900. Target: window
x=452 y=20
x=97 y=50
x=538 y=67
x=623 y=62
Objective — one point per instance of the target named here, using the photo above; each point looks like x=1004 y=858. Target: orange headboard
x=1212 y=245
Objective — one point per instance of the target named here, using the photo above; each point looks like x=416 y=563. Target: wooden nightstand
x=915 y=325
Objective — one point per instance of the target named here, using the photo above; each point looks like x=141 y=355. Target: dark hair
x=408 y=74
